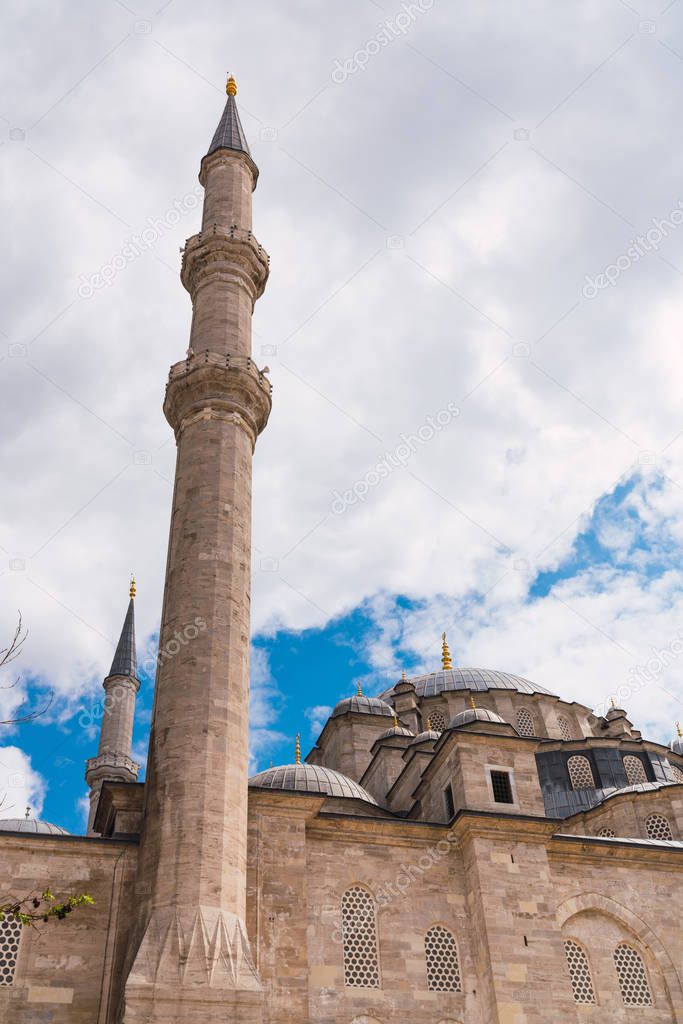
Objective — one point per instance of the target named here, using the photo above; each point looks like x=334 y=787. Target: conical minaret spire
x=114 y=761
x=193 y=850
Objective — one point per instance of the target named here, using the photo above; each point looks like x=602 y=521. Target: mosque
x=466 y=848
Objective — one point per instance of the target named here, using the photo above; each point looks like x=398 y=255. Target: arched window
x=10 y=936
x=658 y=827
x=437 y=720
x=580 y=772
x=525 y=723
x=633 y=983
x=441 y=956
x=635 y=772
x=607 y=833
x=359 y=937
x=564 y=727
x=579 y=972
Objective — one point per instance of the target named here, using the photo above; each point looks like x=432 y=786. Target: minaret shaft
x=192 y=865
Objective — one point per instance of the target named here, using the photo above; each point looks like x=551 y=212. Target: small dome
x=363 y=705
x=310 y=778
x=476 y=715
x=31 y=825
x=397 y=730
x=423 y=737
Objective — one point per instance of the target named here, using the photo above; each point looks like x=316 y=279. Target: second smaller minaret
x=114 y=761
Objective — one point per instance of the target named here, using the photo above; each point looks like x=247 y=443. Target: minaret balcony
x=225 y=252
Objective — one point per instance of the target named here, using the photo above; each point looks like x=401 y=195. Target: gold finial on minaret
x=131 y=592
x=359 y=691
x=231 y=86
x=473 y=704
x=445 y=653
x=297 y=749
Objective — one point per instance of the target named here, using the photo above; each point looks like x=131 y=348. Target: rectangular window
x=502 y=790
x=449 y=801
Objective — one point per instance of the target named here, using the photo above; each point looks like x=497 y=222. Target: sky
x=472 y=326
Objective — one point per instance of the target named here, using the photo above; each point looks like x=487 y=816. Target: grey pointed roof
x=125 y=661
x=230 y=133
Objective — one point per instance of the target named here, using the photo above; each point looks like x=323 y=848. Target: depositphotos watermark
x=643 y=675
x=89 y=717
x=389 y=30
x=638 y=248
x=390 y=461
x=137 y=244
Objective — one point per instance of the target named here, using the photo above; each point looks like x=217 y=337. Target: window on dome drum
x=579 y=972
x=10 y=936
x=437 y=720
x=449 y=801
x=502 y=787
x=564 y=727
x=580 y=772
x=359 y=938
x=658 y=827
x=607 y=833
x=525 y=723
x=633 y=983
x=635 y=771
x=441 y=956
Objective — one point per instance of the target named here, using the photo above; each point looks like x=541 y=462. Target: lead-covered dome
x=396 y=730
x=363 y=705
x=310 y=778
x=476 y=680
x=476 y=715
x=429 y=735
x=31 y=825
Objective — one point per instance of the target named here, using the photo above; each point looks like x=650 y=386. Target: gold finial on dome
x=231 y=86
x=445 y=653
x=613 y=702
x=403 y=674
x=359 y=691
x=429 y=725
x=132 y=586
x=395 y=722
x=473 y=703
x=679 y=730
x=297 y=749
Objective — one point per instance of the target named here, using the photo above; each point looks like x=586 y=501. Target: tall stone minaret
x=193 y=961
x=114 y=761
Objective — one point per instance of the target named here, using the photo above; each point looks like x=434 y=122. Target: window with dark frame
x=502 y=787
x=449 y=801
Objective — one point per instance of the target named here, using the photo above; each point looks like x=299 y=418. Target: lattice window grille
x=564 y=727
x=633 y=983
x=359 y=937
x=607 y=833
x=441 y=956
x=10 y=936
x=635 y=772
x=658 y=827
x=579 y=972
x=525 y=723
x=580 y=772
x=437 y=720
x=677 y=773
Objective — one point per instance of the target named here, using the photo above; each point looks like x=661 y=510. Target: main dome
x=33 y=825
x=478 y=680
x=310 y=778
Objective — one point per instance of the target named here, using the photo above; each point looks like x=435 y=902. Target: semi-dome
x=363 y=705
x=476 y=715
x=423 y=737
x=310 y=778
x=32 y=825
x=477 y=680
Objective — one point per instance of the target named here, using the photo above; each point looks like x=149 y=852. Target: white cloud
x=20 y=785
x=482 y=305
